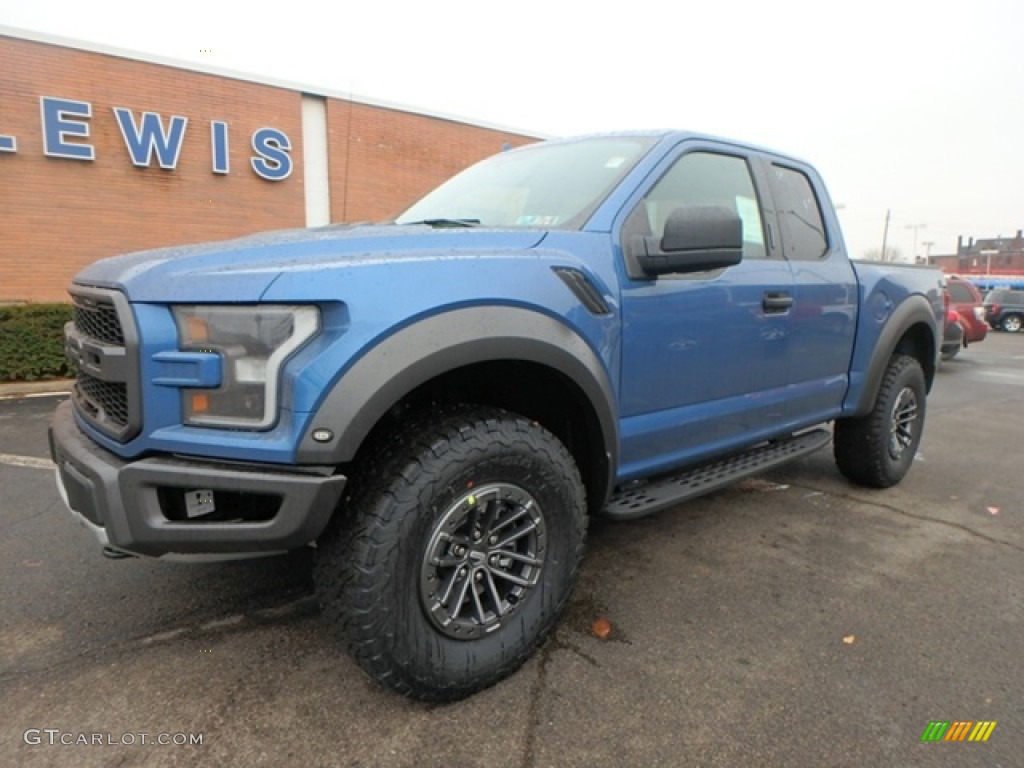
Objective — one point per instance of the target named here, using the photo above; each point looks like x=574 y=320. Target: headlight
x=253 y=341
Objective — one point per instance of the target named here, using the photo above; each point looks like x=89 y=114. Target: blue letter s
x=274 y=163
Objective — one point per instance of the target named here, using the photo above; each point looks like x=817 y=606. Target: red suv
x=966 y=300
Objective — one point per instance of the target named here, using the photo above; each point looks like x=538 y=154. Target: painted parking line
x=33 y=395
x=25 y=461
x=1001 y=374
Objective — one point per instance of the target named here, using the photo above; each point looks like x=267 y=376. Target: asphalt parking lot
x=792 y=620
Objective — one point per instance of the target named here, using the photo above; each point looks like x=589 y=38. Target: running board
x=637 y=500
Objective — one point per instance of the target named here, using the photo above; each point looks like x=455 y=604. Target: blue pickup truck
x=607 y=325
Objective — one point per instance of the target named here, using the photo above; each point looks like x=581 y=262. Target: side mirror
x=697 y=238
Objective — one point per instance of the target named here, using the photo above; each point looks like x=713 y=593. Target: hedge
x=32 y=342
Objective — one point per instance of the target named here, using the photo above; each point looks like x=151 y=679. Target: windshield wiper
x=441 y=223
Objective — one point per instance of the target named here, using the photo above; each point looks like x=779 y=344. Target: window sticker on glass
x=751 y=218
x=537 y=221
x=615 y=162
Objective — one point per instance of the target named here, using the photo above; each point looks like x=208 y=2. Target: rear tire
x=1012 y=323
x=878 y=449
x=457 y=552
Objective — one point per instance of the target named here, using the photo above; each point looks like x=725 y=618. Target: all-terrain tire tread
x=859 y=443
x=395 y=476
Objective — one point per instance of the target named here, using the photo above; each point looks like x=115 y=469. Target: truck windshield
x=550 y=185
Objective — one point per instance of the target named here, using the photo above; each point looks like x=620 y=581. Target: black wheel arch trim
x=914 y=310
x=436 y=345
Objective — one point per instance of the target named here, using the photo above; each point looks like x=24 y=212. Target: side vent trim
x=584 y=290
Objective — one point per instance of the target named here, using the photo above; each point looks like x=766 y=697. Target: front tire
x=457 y=552
x=949 y=351
x=877 y=449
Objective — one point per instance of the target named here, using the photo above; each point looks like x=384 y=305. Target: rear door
x=705 y=356
x=823 y=321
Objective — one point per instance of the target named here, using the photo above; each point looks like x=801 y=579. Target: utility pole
x=928 y=250
x=885 y=233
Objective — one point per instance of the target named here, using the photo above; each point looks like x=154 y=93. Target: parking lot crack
x=558 y=643
x=534 y=712
x=905 y=513
x=295 y=610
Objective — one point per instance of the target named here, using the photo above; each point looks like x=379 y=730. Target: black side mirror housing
x=697 y=238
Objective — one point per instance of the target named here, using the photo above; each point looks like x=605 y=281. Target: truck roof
x=674 y=136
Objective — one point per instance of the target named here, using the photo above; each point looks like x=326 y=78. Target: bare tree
x=891 y=254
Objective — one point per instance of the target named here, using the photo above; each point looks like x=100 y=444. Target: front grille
x=102 y=343
x=105 y=401
x=98 y=321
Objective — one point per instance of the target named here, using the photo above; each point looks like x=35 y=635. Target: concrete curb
x=12 y=389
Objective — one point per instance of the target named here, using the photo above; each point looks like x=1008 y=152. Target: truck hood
x=242 y=270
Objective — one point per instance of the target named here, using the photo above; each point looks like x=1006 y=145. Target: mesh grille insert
x=103 y=400
x=99 y=321
x=102 y=340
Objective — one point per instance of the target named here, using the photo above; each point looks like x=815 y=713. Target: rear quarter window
x=803 y=228
x=960 y=293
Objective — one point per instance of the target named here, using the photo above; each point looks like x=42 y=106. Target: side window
x=702 y=178
x=803 y=230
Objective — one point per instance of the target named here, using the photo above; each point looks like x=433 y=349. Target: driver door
x=704 y=361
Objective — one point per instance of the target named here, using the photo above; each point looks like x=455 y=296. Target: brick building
x=104 y=152
x=992 y=257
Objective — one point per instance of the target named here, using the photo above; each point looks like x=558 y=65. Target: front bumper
x=136 y=506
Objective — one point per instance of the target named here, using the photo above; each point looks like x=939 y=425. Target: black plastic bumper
x=134 y=506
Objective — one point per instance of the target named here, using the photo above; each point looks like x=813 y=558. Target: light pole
x=988 y=253
x=885 y=233
x=915 y=227
x=927 y=250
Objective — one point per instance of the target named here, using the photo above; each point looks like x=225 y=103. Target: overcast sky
x=902 y=105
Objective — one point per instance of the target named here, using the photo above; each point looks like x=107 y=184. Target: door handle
x=776 y=301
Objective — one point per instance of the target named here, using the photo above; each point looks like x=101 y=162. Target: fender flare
x=428 y=348
x=914 y=310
